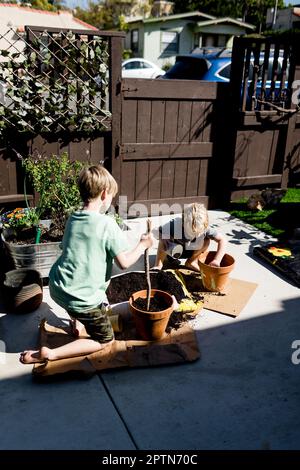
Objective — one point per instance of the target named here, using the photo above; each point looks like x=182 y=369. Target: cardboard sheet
x=176 y=348
x=235 y=297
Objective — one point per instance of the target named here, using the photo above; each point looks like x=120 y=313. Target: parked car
x=202 y=66
x=216 y=66
x=140 y=68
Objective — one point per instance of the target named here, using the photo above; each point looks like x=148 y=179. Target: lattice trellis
x=53 y=81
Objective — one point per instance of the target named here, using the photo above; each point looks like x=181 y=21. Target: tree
x=49 y=5
x=93 y=15
x=251 y=11
x=108 y=14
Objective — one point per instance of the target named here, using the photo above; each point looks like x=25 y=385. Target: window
x=225 y=72
x=135 y=64
x=135 y=40
x=169 y=42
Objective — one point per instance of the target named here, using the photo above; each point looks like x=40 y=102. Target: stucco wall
x=150 y=33
x=152 y=46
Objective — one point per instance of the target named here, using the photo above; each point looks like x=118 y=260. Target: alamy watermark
x=296 y=92
x=2 y=352
x=295 y=357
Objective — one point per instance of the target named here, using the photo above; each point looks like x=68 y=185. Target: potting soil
x=122 y=287
x=157 y=304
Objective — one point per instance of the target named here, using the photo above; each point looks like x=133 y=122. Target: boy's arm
x=221 y=241
x=127 y=258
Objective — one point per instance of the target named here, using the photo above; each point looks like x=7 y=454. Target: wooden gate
x=166 y=141
x=266 y=118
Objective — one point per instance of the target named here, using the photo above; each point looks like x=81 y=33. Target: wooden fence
x=177 y=141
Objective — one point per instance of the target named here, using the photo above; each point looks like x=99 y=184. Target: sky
x=84 y=3
x=75 y=3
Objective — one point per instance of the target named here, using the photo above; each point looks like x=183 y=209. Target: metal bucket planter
x=31 y=256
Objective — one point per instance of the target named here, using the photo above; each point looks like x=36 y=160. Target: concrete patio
x=242 y=394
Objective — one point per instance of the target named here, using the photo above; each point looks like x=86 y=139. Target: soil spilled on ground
x=122 y=287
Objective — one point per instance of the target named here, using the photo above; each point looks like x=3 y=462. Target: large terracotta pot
x=215 y=279
x=151 y=325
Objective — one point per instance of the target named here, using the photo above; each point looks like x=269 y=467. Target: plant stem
x=147 y=271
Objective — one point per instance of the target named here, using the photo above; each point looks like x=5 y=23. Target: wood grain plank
x=169 y=89
x=192 y=179
x=128 y=134
x=143 y=136
x=141 y=151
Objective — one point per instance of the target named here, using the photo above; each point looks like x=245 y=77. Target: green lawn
x=279 y=222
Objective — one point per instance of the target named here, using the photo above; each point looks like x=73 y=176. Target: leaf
x=16 y=98
x=4 y=53
x=23 y=123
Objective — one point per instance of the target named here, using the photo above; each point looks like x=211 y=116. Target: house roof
x=226 y=19
x=19 y=16
x=190 y=15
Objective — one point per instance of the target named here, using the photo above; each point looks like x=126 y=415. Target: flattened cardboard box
x=177 y=347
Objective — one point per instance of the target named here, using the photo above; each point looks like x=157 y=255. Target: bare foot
x=31 y=357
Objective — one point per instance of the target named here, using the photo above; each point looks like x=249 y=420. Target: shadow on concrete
x=242 y=394
x=20 y=331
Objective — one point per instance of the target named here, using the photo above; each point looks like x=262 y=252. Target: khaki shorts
x=96 y=323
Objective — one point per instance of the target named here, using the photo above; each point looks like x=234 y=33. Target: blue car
x=210 y=66
x=215 y=66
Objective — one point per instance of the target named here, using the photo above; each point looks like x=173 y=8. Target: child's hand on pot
x=214 y=264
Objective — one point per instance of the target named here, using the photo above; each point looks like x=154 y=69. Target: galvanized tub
x=40 y=256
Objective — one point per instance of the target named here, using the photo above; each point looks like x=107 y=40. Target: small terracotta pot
x=214 y=279
x=23 y=290
x=151 y=326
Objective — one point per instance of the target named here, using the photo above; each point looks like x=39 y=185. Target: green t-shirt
x=79 y=278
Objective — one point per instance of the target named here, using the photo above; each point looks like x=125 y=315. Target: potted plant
x=151 y=308
x=30 y=241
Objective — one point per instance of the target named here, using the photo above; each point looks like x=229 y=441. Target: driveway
x=242 y=394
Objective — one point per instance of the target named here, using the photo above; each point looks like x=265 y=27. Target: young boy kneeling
x=79 y=278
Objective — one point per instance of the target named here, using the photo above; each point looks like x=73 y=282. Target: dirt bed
x=122 y=287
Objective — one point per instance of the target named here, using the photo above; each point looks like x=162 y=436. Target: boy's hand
x=214 y=263
x=147 y=240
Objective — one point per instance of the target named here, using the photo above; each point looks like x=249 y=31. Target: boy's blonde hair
x=95 y=179
x=195 y=219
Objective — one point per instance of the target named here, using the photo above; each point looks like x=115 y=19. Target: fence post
x=115 y=53
x=290 y=145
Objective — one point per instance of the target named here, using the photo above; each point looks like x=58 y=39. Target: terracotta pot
x=215 y=279
x=23 y=290
x=151 y=325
